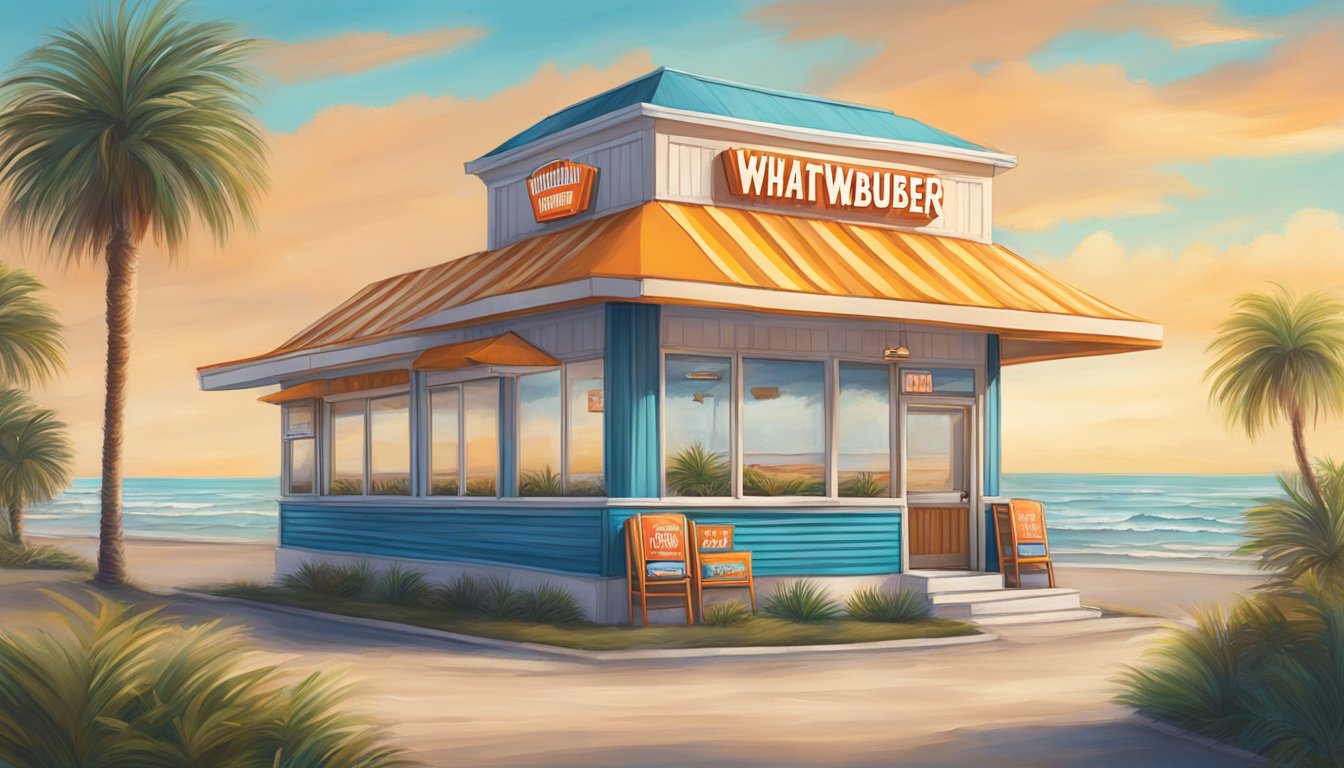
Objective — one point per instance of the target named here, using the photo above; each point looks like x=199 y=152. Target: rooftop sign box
x=560 y=189
x=814 y=183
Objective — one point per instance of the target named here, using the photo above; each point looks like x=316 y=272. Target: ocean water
x=1166 y=522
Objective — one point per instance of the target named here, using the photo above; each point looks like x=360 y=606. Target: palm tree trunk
x=121 y=266
x=1303 y=460
x=16 y=522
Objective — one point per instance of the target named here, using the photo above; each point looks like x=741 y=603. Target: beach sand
x=1040 y=696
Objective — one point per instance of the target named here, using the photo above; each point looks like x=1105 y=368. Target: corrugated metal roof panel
x=695 y=93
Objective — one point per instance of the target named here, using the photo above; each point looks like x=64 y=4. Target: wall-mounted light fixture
x=898 y=352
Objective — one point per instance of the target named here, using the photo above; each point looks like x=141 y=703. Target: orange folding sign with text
x=1029 y=523
x=663 y=537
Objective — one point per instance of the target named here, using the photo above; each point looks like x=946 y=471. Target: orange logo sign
x=714 y=538
x=814 y=183
x=663 y=537
x=561 y=189
x=1029 y=523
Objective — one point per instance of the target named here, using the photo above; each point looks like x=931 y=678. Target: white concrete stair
x=981 y=598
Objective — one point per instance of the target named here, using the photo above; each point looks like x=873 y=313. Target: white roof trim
x=272 y=370
x=1001 y=160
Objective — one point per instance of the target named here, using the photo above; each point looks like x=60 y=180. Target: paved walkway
x=1038 y=697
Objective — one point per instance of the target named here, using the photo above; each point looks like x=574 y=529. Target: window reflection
x=697 y=409
x=936 y=448
x=301 y=466
x=783 y=428
x=586 y=406
x=539 y=434
x=863 y=428
x=390 y=444
x=443 y=441
x=480 y=401
x=347 y=448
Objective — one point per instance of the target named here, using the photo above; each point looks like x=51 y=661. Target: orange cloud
x=356 y=194
x=358 y=51
x=1092 y=142
x=1149 y=412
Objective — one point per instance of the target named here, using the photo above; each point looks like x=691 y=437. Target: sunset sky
x=1171 y=155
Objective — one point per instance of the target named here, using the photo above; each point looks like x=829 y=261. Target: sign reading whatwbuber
x=560 y=189
x=816 y=183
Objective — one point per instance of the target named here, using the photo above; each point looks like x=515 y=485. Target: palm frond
x=1295 y=536
x=31 y=348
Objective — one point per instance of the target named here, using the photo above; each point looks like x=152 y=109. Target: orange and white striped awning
x=699 y=254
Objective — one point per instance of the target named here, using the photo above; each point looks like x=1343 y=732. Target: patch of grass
x=40 y=557
x=802 y=600
x=400 y=486
x=727 y=614
x=113 y=685
x=872 y=604
x=757 y=631
x=756 y=482
x=542 y=482
x=864 y=484
x=348 y=581
x=464 y=594
x=399 y=586
x=481 y=488
x=542 y=604
x=697 y=471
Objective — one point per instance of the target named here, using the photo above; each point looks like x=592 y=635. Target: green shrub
x=594 y=487
x=481 y=488
x=466 y=593
x=864 y=484
x=1293 y=536
x=443 y=488
x=802 y=600
x=344 y=486
x=726 y=614
x=872 y=604
x=40 y=557
x=545 y=604
x=697 y=471
x=399 y=486
x=399 y=586
x=543 y=482
x=756 y=482
x=352 y=582
x=115 y=687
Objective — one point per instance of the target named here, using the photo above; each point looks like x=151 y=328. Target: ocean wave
x=1146 y=529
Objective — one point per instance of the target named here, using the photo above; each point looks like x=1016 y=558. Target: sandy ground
x=1040 y=696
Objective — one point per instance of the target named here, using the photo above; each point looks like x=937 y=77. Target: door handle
x=965 y=496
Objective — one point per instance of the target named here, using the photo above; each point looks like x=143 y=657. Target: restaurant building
x=761 y=308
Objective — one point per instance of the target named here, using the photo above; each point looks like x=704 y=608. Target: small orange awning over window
x=316 y=390
x=505 y=349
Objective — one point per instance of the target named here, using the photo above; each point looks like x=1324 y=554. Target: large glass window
x=444 y=441
x=480 y=415
x=783 y=428
x=300 y=441
x=539 y=434
x=347 y=448
x=863 y=427
x=697 y=413
x=587 y=399
x=390 y=446
x=936 y=450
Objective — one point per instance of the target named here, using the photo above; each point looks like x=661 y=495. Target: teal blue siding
x=633 y=335
x=555 y=539
x=589 y=541
x=794 y=543
x=993 y=444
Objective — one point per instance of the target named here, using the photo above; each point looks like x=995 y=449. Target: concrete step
x=933 y=582
x=962 y=605
x=1042 y=617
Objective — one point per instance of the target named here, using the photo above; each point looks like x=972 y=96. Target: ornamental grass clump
x=465 y=593
x=113 y=686
x=40 y=557
x=399 y=586
x=351 y=582
x=802 y=600
x=726 y=614
x=872 y=604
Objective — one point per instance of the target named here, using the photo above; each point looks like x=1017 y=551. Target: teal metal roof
x=693 y=93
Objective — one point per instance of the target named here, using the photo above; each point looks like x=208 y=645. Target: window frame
x=326 y=444
x=286 y=459
x=565 y=431
x=426 y=422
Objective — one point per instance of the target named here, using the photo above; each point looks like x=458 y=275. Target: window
x=697 y=413
x=560 y=427
x=390 y=446
x=464 y=439
x=863 y=424
x=587 y=401
x=445 y=436
x=300 y=448
x=783 y=428
x=347 y=448
x=539 y=430
x=936 y=444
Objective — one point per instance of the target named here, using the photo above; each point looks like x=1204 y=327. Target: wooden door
x=939 y=537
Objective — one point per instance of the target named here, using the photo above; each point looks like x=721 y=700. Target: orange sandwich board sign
x=714 y=538
x=662 y=539
x=560 y=189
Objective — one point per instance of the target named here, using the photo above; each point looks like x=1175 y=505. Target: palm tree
x=133 y=124
x=31 y=349
x=34 y=457
x=1280 y=356
x=1293 y=537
